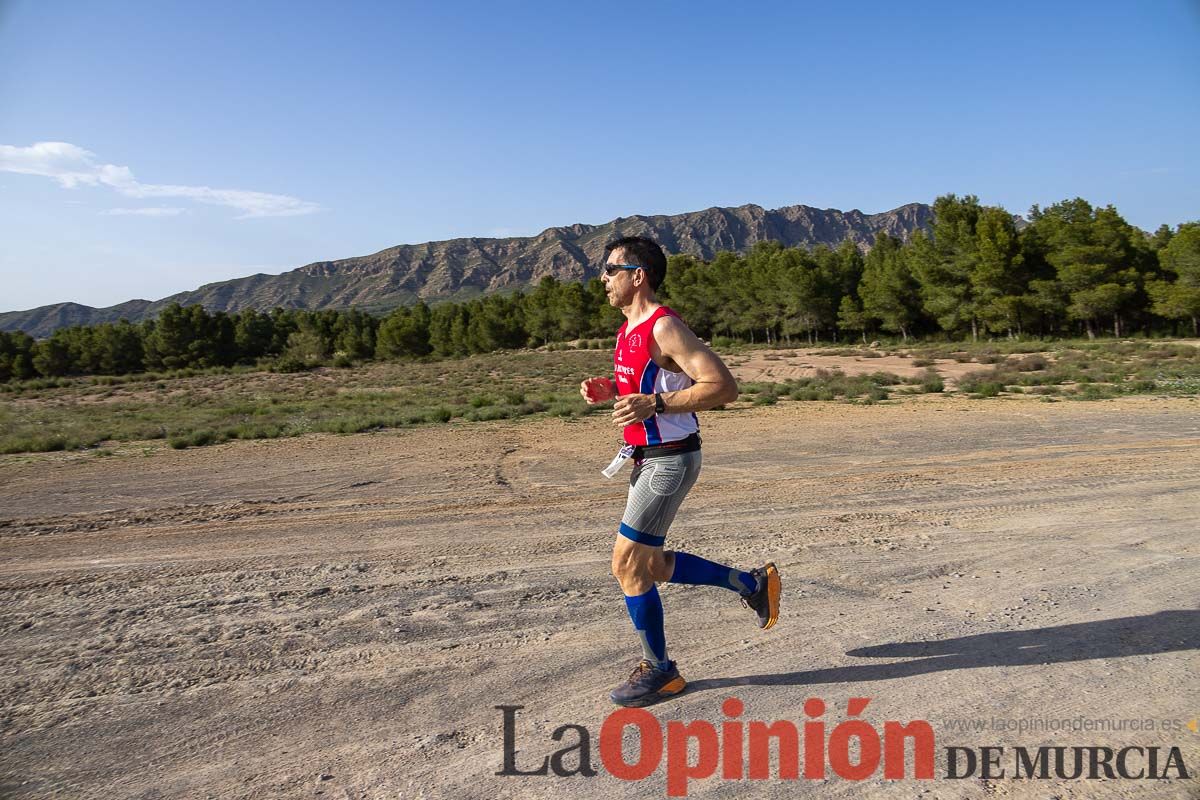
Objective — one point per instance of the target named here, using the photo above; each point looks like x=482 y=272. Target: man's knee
x=627 y=564
x=639 y=566
x=634 y=563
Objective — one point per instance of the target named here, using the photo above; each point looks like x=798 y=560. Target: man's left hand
x=633 y=408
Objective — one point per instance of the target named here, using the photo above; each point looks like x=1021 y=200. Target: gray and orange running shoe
x=648 y=684
x=764 y=601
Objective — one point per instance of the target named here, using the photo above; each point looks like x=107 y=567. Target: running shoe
x=648 y=684
x=764 y=601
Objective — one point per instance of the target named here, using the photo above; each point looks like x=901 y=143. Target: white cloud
x=72 y=166
x=144 y=212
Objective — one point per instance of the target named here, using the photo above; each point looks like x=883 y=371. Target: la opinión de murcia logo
x=853 y=749
x=727 y=749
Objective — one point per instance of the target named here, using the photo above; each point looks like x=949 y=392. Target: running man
x=664 y=374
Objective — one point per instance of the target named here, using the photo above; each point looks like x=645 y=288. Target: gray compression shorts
x=656 y=489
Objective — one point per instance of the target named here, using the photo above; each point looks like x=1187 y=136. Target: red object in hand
x=597 y=390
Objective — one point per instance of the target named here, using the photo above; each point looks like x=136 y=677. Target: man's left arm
x=713 y=385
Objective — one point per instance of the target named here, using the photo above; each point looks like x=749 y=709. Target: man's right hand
x=598 y=390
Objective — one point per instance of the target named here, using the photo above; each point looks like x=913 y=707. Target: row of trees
x=1070 y=269
x=191 y=337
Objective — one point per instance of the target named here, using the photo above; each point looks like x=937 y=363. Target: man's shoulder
x=669 y=320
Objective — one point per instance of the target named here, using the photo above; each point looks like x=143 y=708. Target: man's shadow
x=1163 y=632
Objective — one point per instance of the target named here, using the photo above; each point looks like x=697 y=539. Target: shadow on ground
x=1163 y=632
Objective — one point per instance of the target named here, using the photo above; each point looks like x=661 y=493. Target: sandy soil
x=782 y=365
x=337 y=617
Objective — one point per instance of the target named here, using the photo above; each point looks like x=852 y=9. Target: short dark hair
x=644 y=253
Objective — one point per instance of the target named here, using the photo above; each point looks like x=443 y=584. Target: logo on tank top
x=635 y=341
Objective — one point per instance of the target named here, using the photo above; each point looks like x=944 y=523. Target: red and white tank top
x=636 y=373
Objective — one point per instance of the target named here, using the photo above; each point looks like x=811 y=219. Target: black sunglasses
x=613 y=269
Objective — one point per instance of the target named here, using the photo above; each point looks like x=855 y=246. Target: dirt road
x=337 y=617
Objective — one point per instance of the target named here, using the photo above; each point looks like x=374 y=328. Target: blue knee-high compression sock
x=696 y=570
x=646 y=611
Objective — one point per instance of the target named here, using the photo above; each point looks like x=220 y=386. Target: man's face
x=619 y=288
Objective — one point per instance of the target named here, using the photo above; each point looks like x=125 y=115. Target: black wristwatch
x=659 y=406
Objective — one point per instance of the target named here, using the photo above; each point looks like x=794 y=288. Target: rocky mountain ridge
x=457 y=269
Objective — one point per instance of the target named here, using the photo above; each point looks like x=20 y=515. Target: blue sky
x=203 y=141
